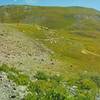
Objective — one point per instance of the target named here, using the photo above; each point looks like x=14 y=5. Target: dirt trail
x=89 y=52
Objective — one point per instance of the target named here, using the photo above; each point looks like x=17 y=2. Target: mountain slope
x=60 y=30
x=70 y=18
x=53 y=51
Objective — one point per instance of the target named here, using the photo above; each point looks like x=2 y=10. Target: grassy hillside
x=64 y=43
x=53 y=17
x=58 y=50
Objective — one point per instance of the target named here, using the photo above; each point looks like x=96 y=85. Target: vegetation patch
x=54 y=87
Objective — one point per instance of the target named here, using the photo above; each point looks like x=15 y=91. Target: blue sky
x=84 y=3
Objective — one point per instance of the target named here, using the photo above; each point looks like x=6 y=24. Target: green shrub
x=96 y=79
x=15 y=75
x=52 y=95
x=30 y=96
x=8 y=69
x=19 y=79
x=55 y=88
x=56 y=78
x=41 y=76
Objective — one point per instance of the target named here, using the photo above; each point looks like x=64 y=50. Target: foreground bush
x=54 y=87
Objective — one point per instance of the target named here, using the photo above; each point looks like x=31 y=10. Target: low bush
x=54 y=87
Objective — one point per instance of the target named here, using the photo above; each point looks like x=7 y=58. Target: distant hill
x=69 y=18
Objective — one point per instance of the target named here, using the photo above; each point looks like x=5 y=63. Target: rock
x=73 y=90
x=13 y=96
x=97 y=97
x=1 y=34
x=42 y=59
x=71 y=65
x=52 y=63
x=3 y=75
x=9 y=90
x=0 y=76
x=22 y=91
x=29 y=54
x=14 y=88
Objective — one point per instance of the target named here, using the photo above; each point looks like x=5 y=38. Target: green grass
x=68 y=47
x=53 y=87
x=15 y=75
